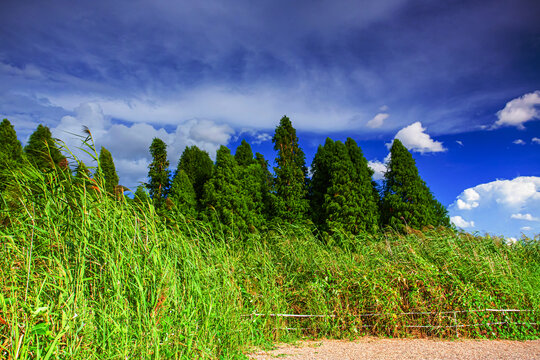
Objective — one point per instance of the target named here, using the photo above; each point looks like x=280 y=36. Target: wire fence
x=440 y=316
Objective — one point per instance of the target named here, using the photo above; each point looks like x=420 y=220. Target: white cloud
x=414 y=138
x=495 y=206
x=526 y=228
x=535 y=140
x=519 y=110
x=527 y=217
x=129 y=144
x=518 y=142
x=459 y=142
x=468 y=200
x=460 y=222
x=377 y=121
x=235 y=108
x=379 y=169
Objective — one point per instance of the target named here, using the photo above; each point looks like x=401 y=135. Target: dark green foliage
x=197 y=165
x=183 y=195
x=158 y=172
x=342 y=195
x=291 y=174
x=407 y=201
x=232 y=196
x=42 y=151
x=267 y=186
x=244 y=154
x=141 y=196
x=107 y=170
x=10 y=150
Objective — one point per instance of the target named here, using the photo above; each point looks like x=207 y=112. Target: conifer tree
x=407 y=201
x=197 y=165
x=227 y=200
x=342 y=196
x=11 y=154
x=107 y=171
x=42 y=151
x=183 y=195
x=291 y=174
x=10 y=147
x=141 y=196
x=244 y=154
x=267 y=183
x=158 y=172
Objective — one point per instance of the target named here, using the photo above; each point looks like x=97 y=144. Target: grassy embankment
x=84 y=276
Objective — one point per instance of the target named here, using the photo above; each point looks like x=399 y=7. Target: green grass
x=84 y=276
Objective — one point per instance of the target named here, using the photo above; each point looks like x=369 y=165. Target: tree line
x=240 y=194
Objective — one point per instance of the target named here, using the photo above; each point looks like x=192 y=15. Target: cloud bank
x=500 y=206
x=129 y=144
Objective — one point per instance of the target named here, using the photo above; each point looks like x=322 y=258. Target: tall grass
x=84 y=275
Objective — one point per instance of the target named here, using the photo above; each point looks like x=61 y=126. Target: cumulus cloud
x=519 y=110
x=535 y=140
x=377 y=121
x=416 y=139
x=527 y=217
x=518 y=142
x=129 y=143
x=379 y=169
x=460 y=222
x=468 y=200
x=495 y=206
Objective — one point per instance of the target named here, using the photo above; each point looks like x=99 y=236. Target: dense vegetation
x=90 y=274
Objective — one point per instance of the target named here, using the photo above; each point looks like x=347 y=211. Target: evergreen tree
x=158 y=172
x=291 y=174
x=183 y=195
x=342 y=196
x=10 y=150
x=197 y=165
x=10 y=147
x=42 y=151
x=267 y=183
x=141 y=196
x=228 y=200
x=244 y=154
x=407 y=201
x=107 y=171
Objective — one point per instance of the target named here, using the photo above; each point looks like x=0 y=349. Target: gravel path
x=374 y=348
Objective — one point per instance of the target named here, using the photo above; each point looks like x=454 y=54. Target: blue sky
x=457 y=81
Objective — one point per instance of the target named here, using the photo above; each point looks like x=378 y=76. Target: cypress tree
x=10 y=150
x=267 y=183
x=342 y=196
x=10 y=147
x=42 y=151
x=407 y=201
x=107 y=171
x=158 y=172
x=183 y=195
x=141 y=196
x=228 y=201
x=197 y=165
x=244 y=154
x=291 y=174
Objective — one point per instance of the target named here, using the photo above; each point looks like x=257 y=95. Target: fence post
x=455 y=324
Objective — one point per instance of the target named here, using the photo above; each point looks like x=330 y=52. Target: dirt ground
x=375 y=348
